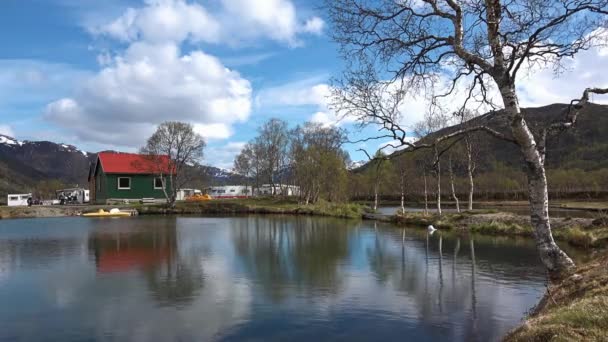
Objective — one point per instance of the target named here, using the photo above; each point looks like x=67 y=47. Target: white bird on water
x=431 y=229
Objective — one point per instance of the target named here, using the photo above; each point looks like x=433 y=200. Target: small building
x=278 y=190
x=127 y=177
x=17 y=200
x=230 y=191
x=182 y=194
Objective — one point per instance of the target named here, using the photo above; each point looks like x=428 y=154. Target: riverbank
x=227 y=207
x=576 y=309
x=580 y=232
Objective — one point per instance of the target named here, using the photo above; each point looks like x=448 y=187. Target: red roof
x=114 y=162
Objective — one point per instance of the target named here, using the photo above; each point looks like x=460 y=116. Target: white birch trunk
x=469 y=149
x=438 y=171
x=451 y=170
x=426 y=200
x=556 y=261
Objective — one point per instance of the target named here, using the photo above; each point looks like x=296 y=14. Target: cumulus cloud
x=161 y=21
x=152 y=80
x=151 y=83
x=223 y=156
x=311 y=95
x=234 y=21
x=538 y=87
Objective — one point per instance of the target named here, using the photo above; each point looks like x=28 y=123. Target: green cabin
x=122 y=177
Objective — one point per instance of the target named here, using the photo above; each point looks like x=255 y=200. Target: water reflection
x=258 y=278
x=151 y=249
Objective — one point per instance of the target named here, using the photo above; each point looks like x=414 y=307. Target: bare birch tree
x=451 y=175
x=482 y=45
x=273 y=142
x=183 y=147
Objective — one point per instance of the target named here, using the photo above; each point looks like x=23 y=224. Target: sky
x=103 y=74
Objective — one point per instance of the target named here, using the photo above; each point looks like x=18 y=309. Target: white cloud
x=162 y=21
x=149 y=84
x=151 y=81
x=234 y=22
x=213 y=131
x=543 y=87
x=314 y=25
x=223 y=156
x=310 y=93
x=7 y=130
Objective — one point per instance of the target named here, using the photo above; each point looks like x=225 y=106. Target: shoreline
x=579 y=232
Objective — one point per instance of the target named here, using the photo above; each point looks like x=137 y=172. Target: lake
x=258 y=278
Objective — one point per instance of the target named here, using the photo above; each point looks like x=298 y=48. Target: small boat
x=112 y=213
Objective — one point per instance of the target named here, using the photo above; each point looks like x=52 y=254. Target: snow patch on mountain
x=356 y=164
x=6 y=140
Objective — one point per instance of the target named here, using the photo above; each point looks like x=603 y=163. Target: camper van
x=73 y=196
x=16 y=200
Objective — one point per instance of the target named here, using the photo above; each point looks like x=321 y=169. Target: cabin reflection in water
x=151 y=250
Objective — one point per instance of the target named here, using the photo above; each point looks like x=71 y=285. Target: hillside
x=583 y=147
x=577 y=163
x=24 y=165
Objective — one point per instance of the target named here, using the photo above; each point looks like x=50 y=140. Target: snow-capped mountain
x=356 y=164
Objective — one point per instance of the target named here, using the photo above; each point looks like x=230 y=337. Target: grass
x=260 y=206
x=501 y=228
x=584 y=205
x=576 y=309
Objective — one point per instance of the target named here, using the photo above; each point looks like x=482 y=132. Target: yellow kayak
x=111 y=213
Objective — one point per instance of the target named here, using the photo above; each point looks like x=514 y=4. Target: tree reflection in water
x=288 y=253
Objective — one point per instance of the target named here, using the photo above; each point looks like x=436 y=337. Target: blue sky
x=102 y=74
x=58 y=49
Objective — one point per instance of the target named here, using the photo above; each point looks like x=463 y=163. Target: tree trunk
x=451 y=170
x=470 y=168
x=426 y=200
x=438 y=171
x=376 y=197
x=402 y=192
x=555 y=260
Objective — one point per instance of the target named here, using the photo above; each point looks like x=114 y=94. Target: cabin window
x=13 y=198
x=124 y=183
x=158 y=183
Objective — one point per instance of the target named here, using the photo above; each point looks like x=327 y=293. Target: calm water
x=258 y=279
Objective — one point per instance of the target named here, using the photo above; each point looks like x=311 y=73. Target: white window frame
x=118 y=183
x=161 y=183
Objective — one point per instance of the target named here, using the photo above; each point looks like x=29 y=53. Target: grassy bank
x=578 y=232
x=258 y=206
x=236 y=206
x=576 y=309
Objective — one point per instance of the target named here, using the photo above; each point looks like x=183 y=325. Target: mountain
x=583 y=147
x=25 y=164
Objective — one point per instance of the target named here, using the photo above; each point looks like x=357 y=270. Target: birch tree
x=480 y=47
x=273 y=143
x=183 y=147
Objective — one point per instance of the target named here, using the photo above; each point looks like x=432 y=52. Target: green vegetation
x=501 y=228
x=574 y=310
x=258 y=206
x=585 y=233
